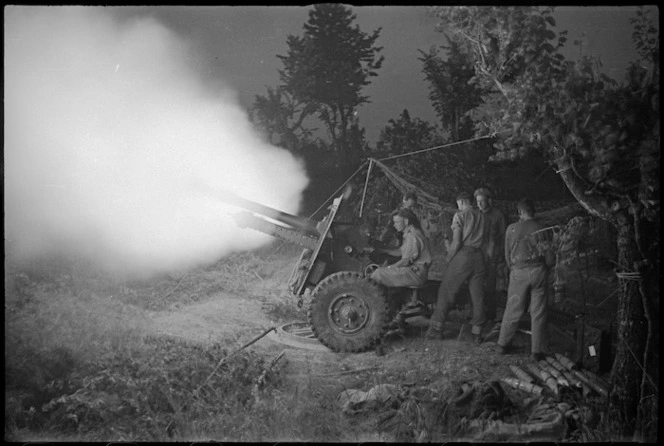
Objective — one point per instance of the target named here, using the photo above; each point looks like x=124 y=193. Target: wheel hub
x=348 y=314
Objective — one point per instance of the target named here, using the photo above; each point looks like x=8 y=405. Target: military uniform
x=467 y=264
x=411 y=270
x=415 y=249
x=390 y=236
x=496 y=223
x=528 y=282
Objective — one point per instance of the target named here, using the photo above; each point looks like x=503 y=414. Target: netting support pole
x=366 y=184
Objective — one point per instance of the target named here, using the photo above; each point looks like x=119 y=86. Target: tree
x=406 y=135
x=602 y=137
x=281 y=118
x=328 y=67
x=450 y=92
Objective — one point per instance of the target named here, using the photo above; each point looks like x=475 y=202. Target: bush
x=152 y=392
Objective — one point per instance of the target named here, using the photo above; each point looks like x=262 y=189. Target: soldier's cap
x=482 y=191
x=464 y=196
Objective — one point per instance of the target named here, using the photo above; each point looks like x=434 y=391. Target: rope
x=328 y=199
x=628 y=275
x=340 y=187
x=435 y=148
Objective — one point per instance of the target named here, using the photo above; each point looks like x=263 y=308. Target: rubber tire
x=348 y=282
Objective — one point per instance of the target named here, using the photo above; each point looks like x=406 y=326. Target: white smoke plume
x=115 y=150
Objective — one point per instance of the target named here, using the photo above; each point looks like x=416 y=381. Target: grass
x=143 y=393
x=82 y=365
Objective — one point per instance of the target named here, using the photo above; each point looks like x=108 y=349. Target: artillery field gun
x=348 y=312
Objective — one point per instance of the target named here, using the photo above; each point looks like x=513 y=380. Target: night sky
x=239 y=44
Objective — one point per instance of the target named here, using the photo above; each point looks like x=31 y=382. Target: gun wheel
x=348 y=312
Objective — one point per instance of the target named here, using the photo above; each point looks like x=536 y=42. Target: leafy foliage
x=645 y=36
x=406 y=135
x=449 y=170
x=281 y=117
x=567 y=110
x=328 y=66
x=603 y=138
x=450 y=92
x=505 y=41
x=146 y=393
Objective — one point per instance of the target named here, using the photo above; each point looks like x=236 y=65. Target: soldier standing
x=528 y=281
x=496 y=223
x=466 y=261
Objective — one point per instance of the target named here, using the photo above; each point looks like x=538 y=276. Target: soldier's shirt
x=474 y=228
x=520 y=249
x=415 y=247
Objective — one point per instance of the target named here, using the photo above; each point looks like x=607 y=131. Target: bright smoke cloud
x=114 y=148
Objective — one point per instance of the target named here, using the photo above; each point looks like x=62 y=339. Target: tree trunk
x=633 y=401
x=627 y=371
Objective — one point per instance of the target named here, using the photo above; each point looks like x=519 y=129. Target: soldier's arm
x=455 y=246
x=490 y=247
x=507 y=248
x=396 y=252
x=409 y=251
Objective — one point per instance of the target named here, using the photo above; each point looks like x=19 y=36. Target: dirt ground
x=409 y=361
x=233 y=316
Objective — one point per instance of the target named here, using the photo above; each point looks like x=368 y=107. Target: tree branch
x=593 y=203
x=602 y=181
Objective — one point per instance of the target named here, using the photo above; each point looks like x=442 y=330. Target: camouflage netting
x=574 y=233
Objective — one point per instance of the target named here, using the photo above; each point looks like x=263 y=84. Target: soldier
x=390 y=236
x=410 y=202
x=412 y=268
x=465 y=256
x=496 y=222
x=528 y=281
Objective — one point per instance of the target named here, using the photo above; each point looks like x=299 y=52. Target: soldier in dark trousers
x=528 y=281
x=466 y=261
x=496 y=222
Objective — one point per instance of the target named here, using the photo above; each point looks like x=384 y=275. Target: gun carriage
x=348 y=312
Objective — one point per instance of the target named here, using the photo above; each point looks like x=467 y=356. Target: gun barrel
x=292 y=220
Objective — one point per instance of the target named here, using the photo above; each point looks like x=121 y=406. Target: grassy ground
x=82 y=364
